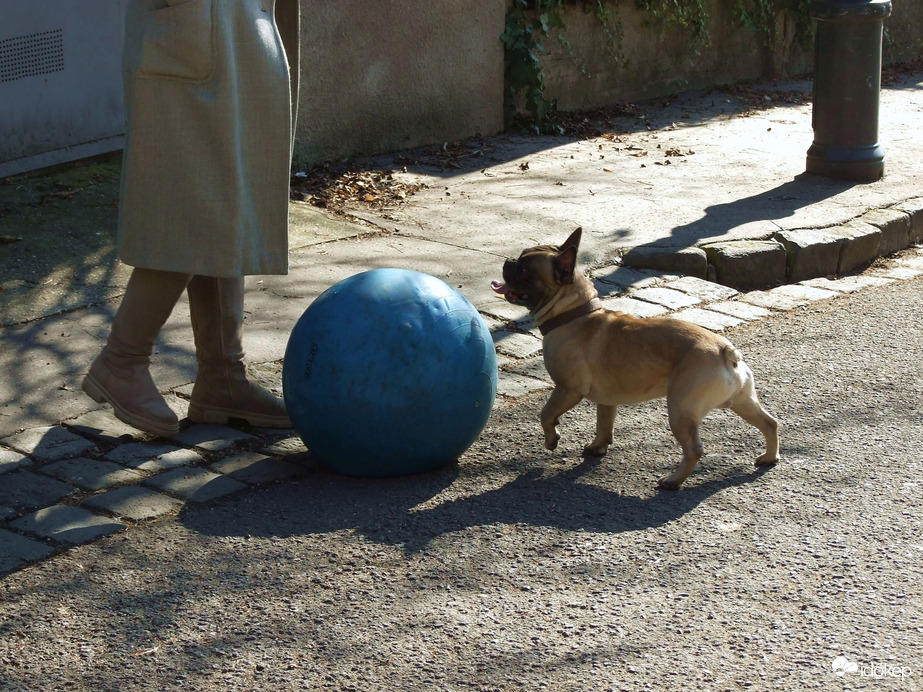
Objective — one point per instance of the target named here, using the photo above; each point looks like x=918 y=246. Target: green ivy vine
x=530 y=22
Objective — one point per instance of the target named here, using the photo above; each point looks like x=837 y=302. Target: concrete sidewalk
x=681 y=173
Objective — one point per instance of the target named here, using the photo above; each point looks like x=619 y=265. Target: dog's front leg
x=605 y=421
x=561 y=401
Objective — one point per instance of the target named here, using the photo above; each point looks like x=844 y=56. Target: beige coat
x=210 y=92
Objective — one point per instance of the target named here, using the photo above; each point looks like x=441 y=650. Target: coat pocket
x=179 y=41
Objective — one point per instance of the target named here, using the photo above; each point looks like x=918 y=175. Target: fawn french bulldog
x=613 y=359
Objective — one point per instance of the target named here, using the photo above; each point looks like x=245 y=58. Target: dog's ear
x=565 y=262
x=573 y=239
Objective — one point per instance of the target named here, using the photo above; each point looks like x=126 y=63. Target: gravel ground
x=526 y=569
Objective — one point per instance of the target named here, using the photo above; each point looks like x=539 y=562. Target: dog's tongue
x=498 y=287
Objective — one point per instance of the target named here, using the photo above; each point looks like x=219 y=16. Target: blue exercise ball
x=389 y=372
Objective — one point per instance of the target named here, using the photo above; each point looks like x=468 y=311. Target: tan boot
x=222 y=390
x=120 y=375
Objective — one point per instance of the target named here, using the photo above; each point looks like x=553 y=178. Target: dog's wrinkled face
x=538 y=274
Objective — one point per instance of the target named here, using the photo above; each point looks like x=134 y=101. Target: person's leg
x=222 y=390
x=120 y=374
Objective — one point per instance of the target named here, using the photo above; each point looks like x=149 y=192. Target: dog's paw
x=551 y=441
x=595 y=449
x=669 y=483
x=766 y=460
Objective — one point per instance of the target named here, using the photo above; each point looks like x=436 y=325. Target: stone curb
x=791 y=256
x=92 y=476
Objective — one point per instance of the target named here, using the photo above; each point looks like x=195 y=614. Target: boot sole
x=99 y=394
x=221 y=416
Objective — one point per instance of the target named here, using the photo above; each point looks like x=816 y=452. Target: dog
x=613 y=359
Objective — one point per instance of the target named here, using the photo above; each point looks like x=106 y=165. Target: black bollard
x=847 y=83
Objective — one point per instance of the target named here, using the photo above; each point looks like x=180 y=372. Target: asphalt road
x=526 y=569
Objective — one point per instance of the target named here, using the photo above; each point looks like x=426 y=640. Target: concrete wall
x=661 y=59
x=382 y=76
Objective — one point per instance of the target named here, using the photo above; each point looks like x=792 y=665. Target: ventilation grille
x=31 y=55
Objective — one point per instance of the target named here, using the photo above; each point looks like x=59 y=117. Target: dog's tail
x=731 y=356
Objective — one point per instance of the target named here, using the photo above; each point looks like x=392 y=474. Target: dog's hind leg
x=560 y=402
x=747 y=406
x=685 y=428
x=605 y=421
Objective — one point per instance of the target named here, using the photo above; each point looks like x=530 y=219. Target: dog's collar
x=569 y=316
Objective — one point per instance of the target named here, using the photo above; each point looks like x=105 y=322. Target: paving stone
x=690 y=261
x=136 y=453
x=637 y=308
x=290 y=446
x=530 y=367
x=901 y=273
x=810 y=252
x=92 y=474
x=194 y=484
x=809 y=293
x=51 y=443
x=914 y=208
x=10 y=460
x=504 y=310
x=911 y=261
x=714 y=321
x=626 y=278
x=860 y=246
x=212 y=438
x=848 y=284
x=134 y=502
x=105 y=427
x=28 y=490
x=669 y=298
x=17 y=551
x=513 y=385
x=747 y=264
x=254 y=468
x=154 y=457
x=517 y=345
x=773 y=301
x=895 y=228
x=706 y=291
x=740 y=310
x=67 y=524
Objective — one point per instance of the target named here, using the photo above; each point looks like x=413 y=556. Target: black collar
x=569 y=316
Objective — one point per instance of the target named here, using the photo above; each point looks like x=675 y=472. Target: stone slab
x=16 y=550
x=810 y=253
x=153 y=457
x=626 y=278
x=740 y=310
x=709 y=319
x=895 y=228
x=689 y=261
x=637 y=308
x=516 y=345
x=706 y=291
x=512 y=385
x=848 y=284
x=808 y=293
x=747 y=264
x=211 y=438
x=10 y=460
x=254 y=469
x=860 y=246
x=900 y=273
x=49 y=443
x=194 y=484
x=913 y=208
x=773 y=301
x=67 y=524
x=134 y=502
x=667 y=297
x=104 y=427
x=92 y=474
x=136 y=453
x=28 y=490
